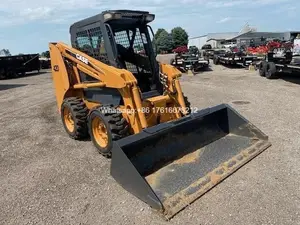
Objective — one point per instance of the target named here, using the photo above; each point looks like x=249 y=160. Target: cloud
x=51 y=19
x=57 y=11
x=36 y=13
x=267 y=2
x=24 y=16
x=223 y=4
x=19 y=12
x=288 y=9
x=224 y=20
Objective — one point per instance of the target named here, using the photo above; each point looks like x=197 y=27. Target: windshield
x=134 y=52
x=132 y=47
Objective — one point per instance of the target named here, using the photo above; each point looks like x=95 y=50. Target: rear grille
x=91 y=42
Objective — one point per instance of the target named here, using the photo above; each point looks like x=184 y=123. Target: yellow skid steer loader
x=109 y=87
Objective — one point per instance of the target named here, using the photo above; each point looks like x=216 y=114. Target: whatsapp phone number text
x=157 y=110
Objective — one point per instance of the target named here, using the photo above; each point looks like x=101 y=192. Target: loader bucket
x=172 y=164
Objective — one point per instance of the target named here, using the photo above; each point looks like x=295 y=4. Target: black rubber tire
x=116 y=126
x=79 y=113
x=263 y=68
x=216 y=60
x=172 y=61
x=271 y=71
x=187 y=104
x=194 y=71
x=11 y=74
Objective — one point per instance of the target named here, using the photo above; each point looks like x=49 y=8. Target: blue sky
x=27 y=26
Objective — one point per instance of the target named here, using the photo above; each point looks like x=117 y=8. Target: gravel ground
x=48 y=178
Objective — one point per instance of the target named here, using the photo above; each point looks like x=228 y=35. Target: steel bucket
x=172 y=164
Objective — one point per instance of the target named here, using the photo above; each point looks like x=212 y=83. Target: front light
x=117 y=16
x=108 y=16
x=149 y=18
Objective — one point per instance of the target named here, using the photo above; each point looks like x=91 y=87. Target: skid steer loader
x=109 y=87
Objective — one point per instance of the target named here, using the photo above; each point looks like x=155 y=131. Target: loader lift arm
x=106 y=75
x=110 y=77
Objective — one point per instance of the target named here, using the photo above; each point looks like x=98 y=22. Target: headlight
x=108 y=16
x=149 y=18
x=117 y=16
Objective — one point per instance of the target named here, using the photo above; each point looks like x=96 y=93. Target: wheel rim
x=68 y=120
x=100 y=132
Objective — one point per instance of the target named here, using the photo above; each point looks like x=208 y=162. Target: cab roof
x=115 y=17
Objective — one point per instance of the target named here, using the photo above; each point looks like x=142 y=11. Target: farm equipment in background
x=133 y=109
x=45 y=63
x=13 y=66
x=206 y=47
x=250 y=55
x=296 y=49
x=208 y=51
x=252 y=51
x=189 y=59
x=181 y=50
x=234 y=56
x=194 y=50
x=260 y=50
x=277 y=47
x=279 y=58
x=185 y=62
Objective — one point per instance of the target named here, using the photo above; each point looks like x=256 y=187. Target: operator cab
x=121 y=38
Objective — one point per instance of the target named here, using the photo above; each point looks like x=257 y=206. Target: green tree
x=164 y=42
x=180 y=37
x=139 y=47
x=5 y=52
x=46 y=54
x=158 y=32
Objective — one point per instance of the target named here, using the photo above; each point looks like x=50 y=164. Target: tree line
x=166 y=42
x=6 y=52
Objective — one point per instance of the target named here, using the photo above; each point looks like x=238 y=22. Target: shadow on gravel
x=229 y=66
x=9 y=86
x=292 y=78
x=208 y=69
x=31 y=74
x=201 y=71
x=36 y=73
x=198 y=73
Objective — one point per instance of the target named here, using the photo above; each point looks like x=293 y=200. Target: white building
x=214 y=39
x=217 y=40
x=198 y=41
